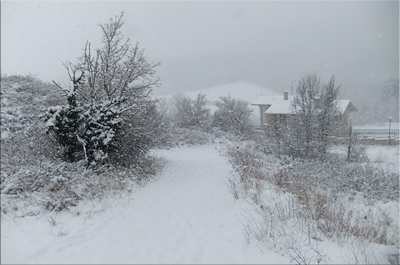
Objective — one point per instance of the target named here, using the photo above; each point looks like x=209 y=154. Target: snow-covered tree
x=109 y=107
x=232 y=115
x=191 y=114
x=317 y=117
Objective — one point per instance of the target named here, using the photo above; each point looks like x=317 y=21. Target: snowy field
x=185 y=215
x=380 y=155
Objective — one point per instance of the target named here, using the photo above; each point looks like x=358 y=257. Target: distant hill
x=238 y=90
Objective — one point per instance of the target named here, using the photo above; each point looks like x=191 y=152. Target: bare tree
x=232 y=115
x=317 y=117
x=305 y=108
x=191 y=114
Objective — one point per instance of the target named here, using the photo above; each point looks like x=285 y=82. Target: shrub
x=190 y=114
x=232 y=115
x=91 y=131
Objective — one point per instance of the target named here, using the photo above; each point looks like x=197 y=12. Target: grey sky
x=270 y=43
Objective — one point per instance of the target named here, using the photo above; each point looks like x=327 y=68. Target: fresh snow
x=185 y=215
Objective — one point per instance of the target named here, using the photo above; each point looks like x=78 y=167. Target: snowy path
x=186 y=215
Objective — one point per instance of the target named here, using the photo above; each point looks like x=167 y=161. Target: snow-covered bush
x=56 y=186
x=190 y=114
x=340 y=177
x=141 y=130
x=33 y=175
x=88 y=131
x=190 y=121
x=109 y=111
x=24 y=101
x=232 y=115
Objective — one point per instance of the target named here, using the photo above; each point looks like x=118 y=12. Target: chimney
x=285 y=95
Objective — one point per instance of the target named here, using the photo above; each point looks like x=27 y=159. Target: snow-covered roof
x=281 y=107
x=278 y=105
x=343 y=104
x=269 y=100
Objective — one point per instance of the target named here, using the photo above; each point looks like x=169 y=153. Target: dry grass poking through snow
x=297 y=214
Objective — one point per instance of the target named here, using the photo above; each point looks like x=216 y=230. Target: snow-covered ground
x=384 y=155
x=387 y=156
x=379 y=126
x=185 y=215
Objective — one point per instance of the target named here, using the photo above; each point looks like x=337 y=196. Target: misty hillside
x=181 y=74
x=241 y=90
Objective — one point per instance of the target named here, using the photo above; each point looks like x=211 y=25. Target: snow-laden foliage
x=109 y=111
x=93 y=129
x=232 y=115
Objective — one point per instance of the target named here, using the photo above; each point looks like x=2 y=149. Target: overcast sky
x=270 y=43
